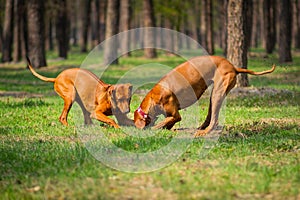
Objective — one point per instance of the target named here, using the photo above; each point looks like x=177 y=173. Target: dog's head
x=141 y=119
x=120 y=97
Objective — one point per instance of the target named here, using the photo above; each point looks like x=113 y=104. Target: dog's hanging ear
x=110 y=90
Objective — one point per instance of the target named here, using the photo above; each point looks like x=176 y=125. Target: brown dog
x=184 y=85
x=96 y=99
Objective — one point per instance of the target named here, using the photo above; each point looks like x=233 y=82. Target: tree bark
x=149 y=35
x=84 y=9
x=112 y=24
x=74 y=22
x=18 y=31
x=203 y=28
x=103 y=6
x=8 y=32
x=248 y=22
x=285 y=31
x=95 y=22
x=209 y=27
x=255 y=25
x=125 y=26
x=296 y=21
x=269 y=25
x=62 y=29
x=36 y=34
x=237 y=43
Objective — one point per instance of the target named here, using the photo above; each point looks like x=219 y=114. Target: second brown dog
x=97 y=99
x=184 y=85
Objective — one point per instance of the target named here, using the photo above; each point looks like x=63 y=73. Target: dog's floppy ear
x=110 y=89
x=130 y=87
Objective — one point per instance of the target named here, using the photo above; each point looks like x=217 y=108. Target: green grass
x=256 y=157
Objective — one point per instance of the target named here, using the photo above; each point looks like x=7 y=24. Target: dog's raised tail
x=241 y=70
x=43 y=78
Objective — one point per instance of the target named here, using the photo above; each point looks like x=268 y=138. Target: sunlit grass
x=255 y=157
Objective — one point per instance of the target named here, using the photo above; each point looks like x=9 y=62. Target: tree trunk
x=95 y=23
x=62 y=29
x=225 y=43
x=255 y=25
x=125 y=26
x=18 y=31
x=269 y=25
x=49 y=45
x=112 y=24
x=285 y=31
x=248 y=22
x=203 y=25
x=84 y=9
x=103 y=6
x=36 y=35
x=296 y=26
x=8 y=32
x=209 y=27
x=149 y=35
x=221 y=20
x=168 y=38
x=74 y=22
x=237 y=43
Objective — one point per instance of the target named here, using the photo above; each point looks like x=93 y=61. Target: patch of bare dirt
x=253 y=91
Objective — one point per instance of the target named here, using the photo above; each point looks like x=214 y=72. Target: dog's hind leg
x=68 y=95
x=86 y=114
x=208 y=117
x=64 y=115
x=221 y=88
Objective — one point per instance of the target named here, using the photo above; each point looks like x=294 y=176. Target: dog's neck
x=147 y=107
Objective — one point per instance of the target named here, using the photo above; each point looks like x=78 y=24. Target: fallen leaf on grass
x=34 y=189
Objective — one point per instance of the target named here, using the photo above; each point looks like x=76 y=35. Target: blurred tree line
x=31 y=27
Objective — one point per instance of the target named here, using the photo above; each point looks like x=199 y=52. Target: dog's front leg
x=169 y=122
x=103 y=118
x=123 y=120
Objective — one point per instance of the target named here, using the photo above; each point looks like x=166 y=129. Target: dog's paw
x=200 y=133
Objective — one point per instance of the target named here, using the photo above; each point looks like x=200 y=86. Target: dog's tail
x=43 y=78
x=241 y=70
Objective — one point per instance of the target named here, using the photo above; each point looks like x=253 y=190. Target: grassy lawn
x=256 y=156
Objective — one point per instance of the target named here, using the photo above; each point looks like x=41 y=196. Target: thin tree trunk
x=209 y=27
x=84 y=9
x=168 y=38
x=103 y=6
x=255 y=25
x=248 y=22
x=74 y=22
x=36 y=34
x=112 y=24
x=149 y=35
x=8 y=32
x=18 y=31
x=225 y=42
x=221 y=17
x=296 y=26
x=285 y=34
x=237 y=43
x=269 y=27
x=203 y=26
x=95 y=23
x=62 y=29
x=125 y=26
